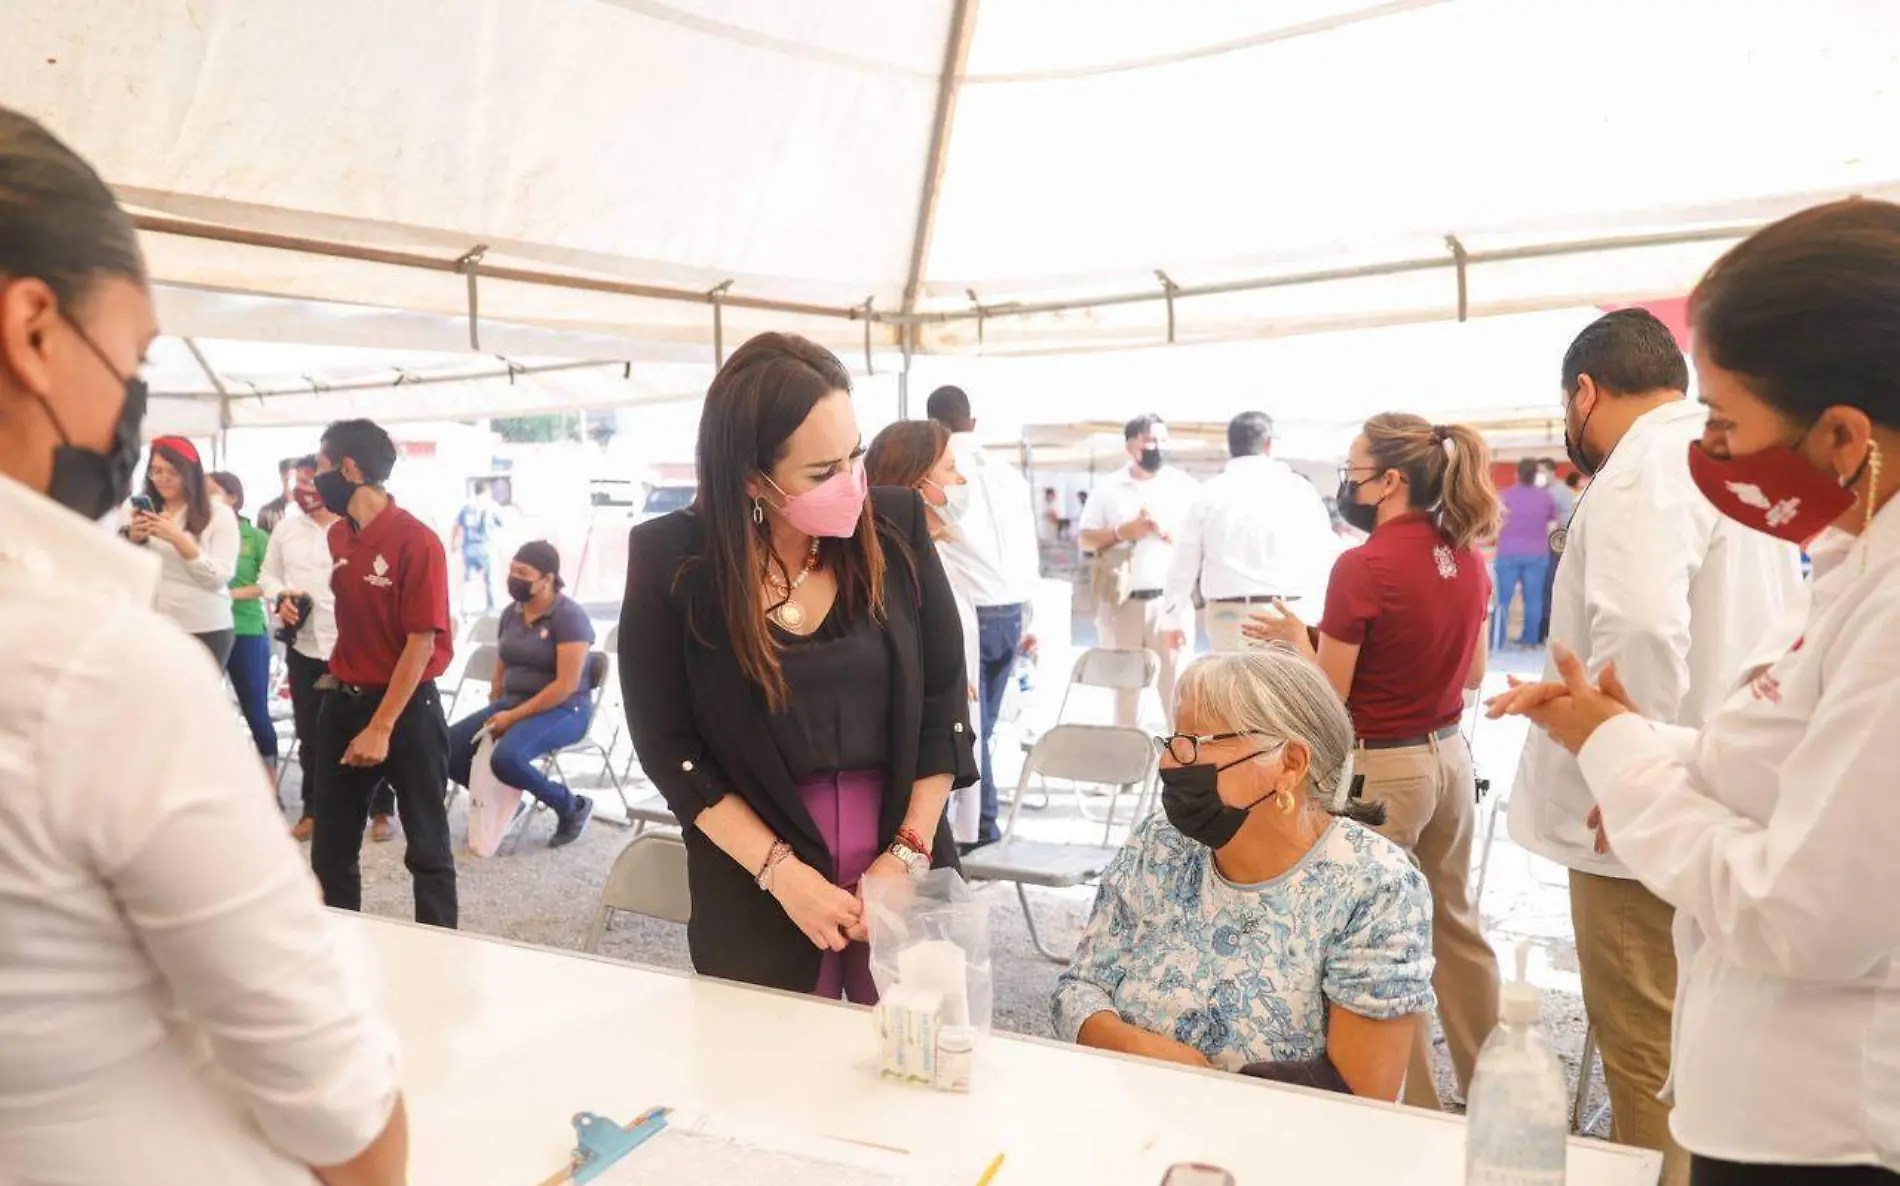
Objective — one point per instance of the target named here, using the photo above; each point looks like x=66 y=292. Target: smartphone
x=1195 y=1174
x=142 y=503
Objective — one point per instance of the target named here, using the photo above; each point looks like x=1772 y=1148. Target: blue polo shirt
x=528 y=648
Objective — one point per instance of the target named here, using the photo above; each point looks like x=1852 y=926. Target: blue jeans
x=475 y=560
x=999 y=634
x=515 y=754
x=249 y=668
x=1513 y=572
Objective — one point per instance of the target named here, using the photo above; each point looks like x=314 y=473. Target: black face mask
x=1364 y=516
x=335 y=491
x=1190 y=795
x=87 y=482
x=1574 y=447
x=1151 y=459
x=521 y=591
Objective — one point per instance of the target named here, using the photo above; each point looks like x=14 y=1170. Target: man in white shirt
x=993 y=557
x=1143 y=505
x=1653 y=579
x=1256 y=532
x=297 y=564
x=173 y=1005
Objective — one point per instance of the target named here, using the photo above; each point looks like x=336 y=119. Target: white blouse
x=196 y=594
x=1774 y=833
x=174 y=1004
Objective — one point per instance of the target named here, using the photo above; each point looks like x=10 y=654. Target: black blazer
x=700 y=727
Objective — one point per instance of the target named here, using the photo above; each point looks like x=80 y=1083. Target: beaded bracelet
x=778 y=852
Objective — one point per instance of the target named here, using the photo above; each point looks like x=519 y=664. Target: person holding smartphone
x=196 y=540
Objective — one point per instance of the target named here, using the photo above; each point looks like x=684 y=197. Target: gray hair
x=1274 y=692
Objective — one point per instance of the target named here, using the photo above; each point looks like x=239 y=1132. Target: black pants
x=1707 y=1171
x=219 y=643
x=417 y=766
x=306 y=703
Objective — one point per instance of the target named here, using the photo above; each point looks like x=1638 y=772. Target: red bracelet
x=913 y=841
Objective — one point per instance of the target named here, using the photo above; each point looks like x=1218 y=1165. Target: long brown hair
x=905 y=453
x=756 y=402
x=1448 y=469
x=191 y=476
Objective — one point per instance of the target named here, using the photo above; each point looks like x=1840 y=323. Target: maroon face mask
x=1775 y=490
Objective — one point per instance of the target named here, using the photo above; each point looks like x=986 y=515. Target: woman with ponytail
x=1401 y=640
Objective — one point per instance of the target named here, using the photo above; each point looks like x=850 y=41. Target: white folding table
x=503 y=1043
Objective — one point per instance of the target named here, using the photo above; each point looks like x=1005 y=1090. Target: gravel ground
x=539 y=895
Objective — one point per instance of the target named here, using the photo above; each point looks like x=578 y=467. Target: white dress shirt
x=1676 y=594
x=298 y=558
x=1120 y=497
x=174 y=1007
x=1773 y=833
x=993 y=554
x=196 y=594
x=1258 y=528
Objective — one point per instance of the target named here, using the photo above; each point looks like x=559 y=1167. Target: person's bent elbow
x=383 y=1162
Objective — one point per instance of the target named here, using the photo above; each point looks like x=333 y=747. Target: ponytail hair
x=1447 y=468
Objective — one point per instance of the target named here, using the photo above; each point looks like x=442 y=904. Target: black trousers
x=417 y=766
x=1707 y=1171
x=306 y=705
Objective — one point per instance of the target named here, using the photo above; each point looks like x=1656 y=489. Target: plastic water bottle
x=1518 y=1123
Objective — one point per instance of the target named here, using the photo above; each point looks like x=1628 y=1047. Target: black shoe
x=573 y=823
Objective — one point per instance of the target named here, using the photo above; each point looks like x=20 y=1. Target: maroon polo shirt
x=391 y=580
x=1414 y=605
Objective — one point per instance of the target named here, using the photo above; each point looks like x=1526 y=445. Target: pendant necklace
x=785 y=613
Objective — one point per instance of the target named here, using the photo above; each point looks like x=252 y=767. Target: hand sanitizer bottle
x=1517 y=1118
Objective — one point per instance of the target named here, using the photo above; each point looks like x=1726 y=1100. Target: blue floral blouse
x=1245 y=973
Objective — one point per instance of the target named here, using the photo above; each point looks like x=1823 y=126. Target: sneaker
x=305 y=827
x=382 y=828
x=573 y=823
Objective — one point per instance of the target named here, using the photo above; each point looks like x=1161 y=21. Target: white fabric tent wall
x=857 y=164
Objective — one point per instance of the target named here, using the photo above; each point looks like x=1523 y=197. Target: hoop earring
x=758 y=511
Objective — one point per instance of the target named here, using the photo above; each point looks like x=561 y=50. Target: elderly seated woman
x=1261 y=926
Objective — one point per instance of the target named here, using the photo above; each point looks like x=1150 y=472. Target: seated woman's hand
x=1168 y=1050
x=820 y=909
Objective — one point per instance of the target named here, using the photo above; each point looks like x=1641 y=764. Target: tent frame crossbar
x=1456 y=258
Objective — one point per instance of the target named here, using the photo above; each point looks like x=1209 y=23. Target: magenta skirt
x=846 y=806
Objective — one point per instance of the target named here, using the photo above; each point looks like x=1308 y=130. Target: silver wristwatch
x=916 y=863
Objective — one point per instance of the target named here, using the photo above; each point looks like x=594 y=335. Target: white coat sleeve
x=270 y=574
x=1636 y=586
x=217 y=551
x=1189 y=546
x=1806 y=894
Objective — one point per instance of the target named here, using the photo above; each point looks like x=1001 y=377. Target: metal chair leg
x=1484 y=856
x=1035 y=936
x=1585 y=1063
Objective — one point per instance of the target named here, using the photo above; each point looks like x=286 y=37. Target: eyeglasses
x=1346 y=472
x=1185 y=748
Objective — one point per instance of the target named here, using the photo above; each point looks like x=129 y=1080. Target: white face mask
x=956 y=500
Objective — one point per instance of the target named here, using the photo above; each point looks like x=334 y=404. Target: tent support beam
x=469 y=265
x=1461 y=259
x=217 y=385
x=956 y=56
x=404 y=379
x=718 y=298
x=1169 y=289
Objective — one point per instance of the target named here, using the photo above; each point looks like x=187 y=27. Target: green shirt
x=247 y=617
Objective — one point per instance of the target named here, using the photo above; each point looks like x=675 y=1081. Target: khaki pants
x=1429 y=792
x=1133 y=626
x=1628 y=964
x=1223 y=624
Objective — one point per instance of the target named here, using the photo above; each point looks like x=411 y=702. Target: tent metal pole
x=217 y=385
x=1461 y=259
x=182 y=228
x=956 y=56
x=1168 y=290
x=870 y=319
x=404 y=379
x=718 y=298
x=469 y=265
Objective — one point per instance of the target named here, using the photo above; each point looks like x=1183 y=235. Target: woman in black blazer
x=792 y=665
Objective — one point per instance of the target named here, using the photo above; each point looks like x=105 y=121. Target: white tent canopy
x=936 y=176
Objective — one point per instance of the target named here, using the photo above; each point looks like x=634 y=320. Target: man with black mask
x=1130 y=522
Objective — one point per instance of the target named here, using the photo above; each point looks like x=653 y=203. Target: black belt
x=1258 y=599
x=1445 y=734
x=1144 y=595
x=330 y=683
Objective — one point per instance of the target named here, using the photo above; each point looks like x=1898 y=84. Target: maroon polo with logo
x=391 y=580
x=1413 y=604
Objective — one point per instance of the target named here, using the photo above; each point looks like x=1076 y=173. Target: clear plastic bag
x=920 y=926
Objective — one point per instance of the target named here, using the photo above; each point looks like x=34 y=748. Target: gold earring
x=1286 y=801
x=1873 y=481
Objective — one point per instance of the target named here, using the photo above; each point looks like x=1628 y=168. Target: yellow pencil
x=989 y=1175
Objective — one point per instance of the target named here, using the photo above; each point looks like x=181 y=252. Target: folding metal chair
x=479 y=669
x=1106 y=755
x=599 y=666
x=1115 y=670
x=485 y=630
x=649 y=878
x=1586 y=1063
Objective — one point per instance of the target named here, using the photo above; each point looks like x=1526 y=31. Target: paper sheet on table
x=699 y=1151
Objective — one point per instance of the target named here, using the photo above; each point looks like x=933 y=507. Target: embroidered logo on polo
x=1447 y=562
x=379 y=573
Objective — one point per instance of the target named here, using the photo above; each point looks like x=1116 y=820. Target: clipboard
x=599 y=1144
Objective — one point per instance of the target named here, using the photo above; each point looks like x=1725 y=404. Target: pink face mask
x=830 y=509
